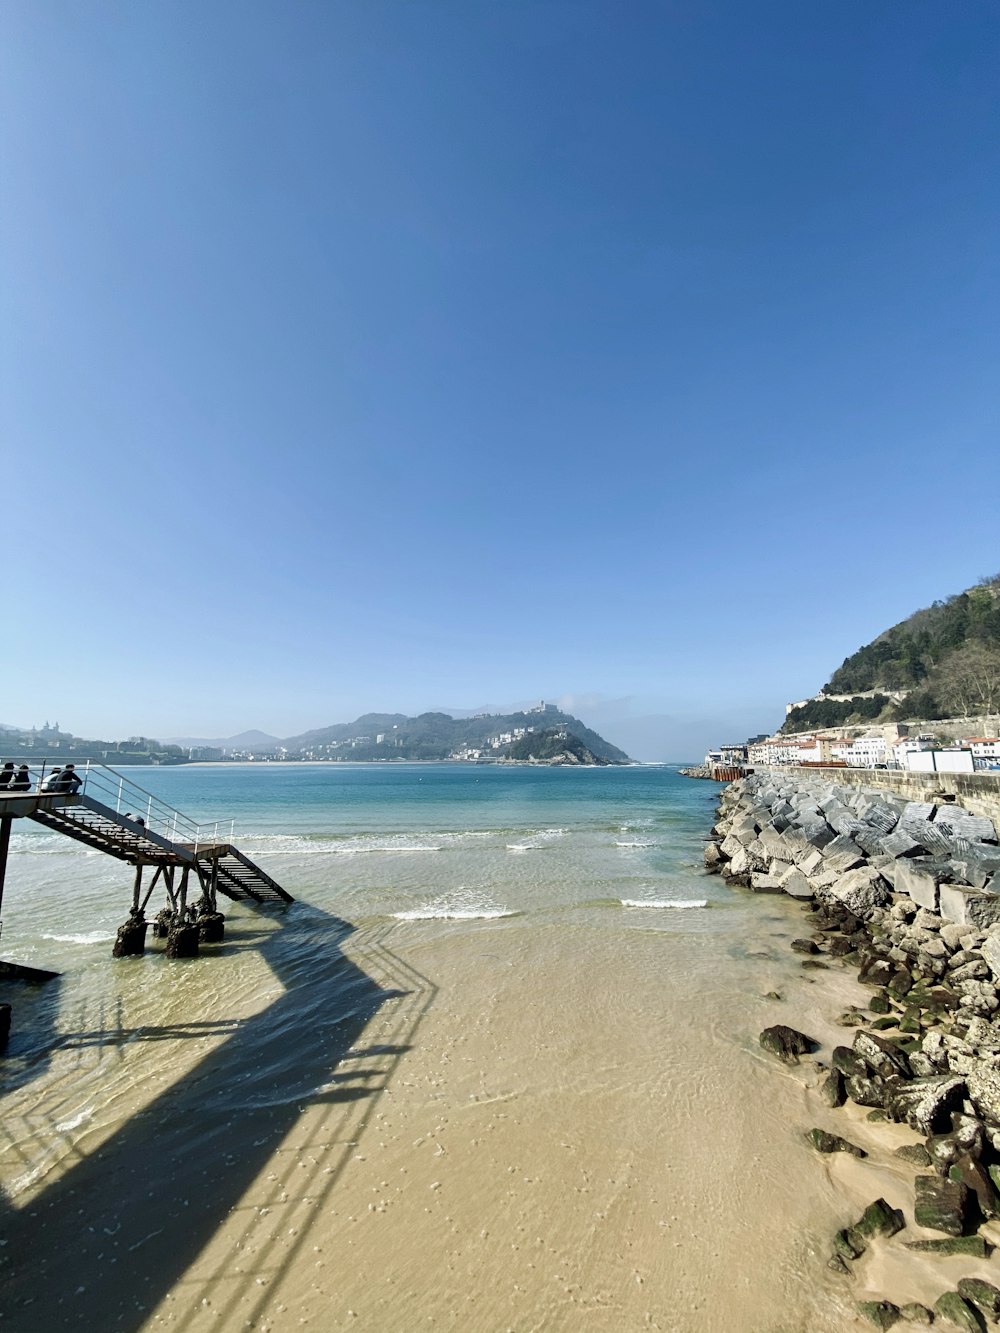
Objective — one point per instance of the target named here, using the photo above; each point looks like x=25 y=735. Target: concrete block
x=968 y=907
x=768 y=884
x=929 y=835
x=917 y=810
x=795 y=884
x=770 y=840
x=777 y=868
x=861 y=891
x=918 y=883
x=990 y=949
x=842 y=854
x=976 y=867
x=902 y=843
x=958 y=822
x=811 y=862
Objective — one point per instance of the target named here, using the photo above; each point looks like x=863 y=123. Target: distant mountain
x=246 y=740
x=386 y=736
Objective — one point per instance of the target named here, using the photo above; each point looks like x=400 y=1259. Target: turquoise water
x=413 y=841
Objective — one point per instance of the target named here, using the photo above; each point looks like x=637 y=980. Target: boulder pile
x=908 y=893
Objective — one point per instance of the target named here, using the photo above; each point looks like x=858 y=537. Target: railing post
x=118 y=807
x=149 y=812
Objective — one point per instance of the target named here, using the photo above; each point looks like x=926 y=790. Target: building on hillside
x=985 y=751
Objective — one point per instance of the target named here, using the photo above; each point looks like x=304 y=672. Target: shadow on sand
x=103 y=1244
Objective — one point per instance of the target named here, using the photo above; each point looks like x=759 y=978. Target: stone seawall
x=907 y=892
x=978 y=792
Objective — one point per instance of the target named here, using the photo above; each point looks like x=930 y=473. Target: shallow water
x=496 y=1068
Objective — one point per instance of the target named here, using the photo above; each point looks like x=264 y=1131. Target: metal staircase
x=146 y=833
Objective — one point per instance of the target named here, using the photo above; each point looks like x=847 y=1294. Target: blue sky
x=364 y=355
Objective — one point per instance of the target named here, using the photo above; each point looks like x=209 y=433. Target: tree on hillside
x=969 y=684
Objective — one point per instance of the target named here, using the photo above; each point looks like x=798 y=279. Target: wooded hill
x=438 y=735
x=946 y=656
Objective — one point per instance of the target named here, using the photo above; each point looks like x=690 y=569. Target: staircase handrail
x=114 y=789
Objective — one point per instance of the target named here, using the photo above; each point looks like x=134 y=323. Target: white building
x=985 y=751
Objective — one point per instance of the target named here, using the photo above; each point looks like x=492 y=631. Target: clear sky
x=397 y=354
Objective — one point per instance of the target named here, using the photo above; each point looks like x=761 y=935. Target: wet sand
x=488 y=1125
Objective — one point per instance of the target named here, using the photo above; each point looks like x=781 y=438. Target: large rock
x=942 y=1205
x=968 y=907
x=926 y=1104
x=786 y=1043
x=862 y=891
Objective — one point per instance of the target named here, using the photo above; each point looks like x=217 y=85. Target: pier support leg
x=211 y=927
x=4 y=1026
x=182 y=942
x=162 y=923
x=5 y=824
x=130 y=941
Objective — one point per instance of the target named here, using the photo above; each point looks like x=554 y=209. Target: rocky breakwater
x=908 y=893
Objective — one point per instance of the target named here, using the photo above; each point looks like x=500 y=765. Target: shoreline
x=924 y=1027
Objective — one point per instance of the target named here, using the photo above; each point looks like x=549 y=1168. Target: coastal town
x=916 y=747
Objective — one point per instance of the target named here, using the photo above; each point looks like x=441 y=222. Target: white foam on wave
x=453 y=914
x=91 y=937
x=664 y=902
x=524 y=846
x=635 y=842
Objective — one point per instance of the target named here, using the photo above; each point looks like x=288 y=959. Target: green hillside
x=386 y=736
x=946 y=657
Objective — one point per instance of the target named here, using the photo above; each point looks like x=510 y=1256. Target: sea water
x=495 y=1068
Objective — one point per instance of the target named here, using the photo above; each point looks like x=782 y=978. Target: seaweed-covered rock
x=883 y=1314
x=974 y=1176
x=786 y=1043
x=824 y=1142
x=915 y=1313
x=848 y=1062
x=983 y=1295
x=805 y=946
x=972 y=1246
x=942 y=1205
x=847 y=1247
x=832 y=1089
x=914 y=1153
x=954 y=1312
x=878 y=1219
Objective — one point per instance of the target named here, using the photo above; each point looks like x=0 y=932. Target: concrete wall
x=978 y=792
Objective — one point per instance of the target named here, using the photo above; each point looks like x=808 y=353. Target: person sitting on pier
x=7 y=774
x=69 y=780
x=51 y=783
x=22 y=780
